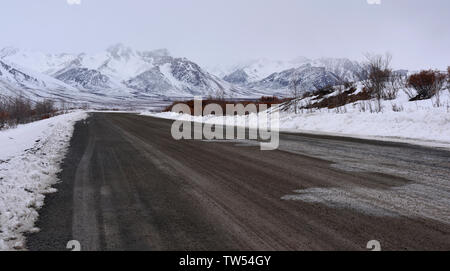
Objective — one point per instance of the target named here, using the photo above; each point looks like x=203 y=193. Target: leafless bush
x=44 y=107
x=4 y=116
x=394 y=83
x=295 y=91
x=376 y=73
x=19 y=110
x=427 y=84
x=448 y=78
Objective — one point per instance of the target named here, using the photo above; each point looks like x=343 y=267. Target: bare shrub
x=19 y=110
x=448 y=78
x=427 y=83
x=376 y=73
x=394 y=83
x=44 y=108
x=4 y=116
x=295 y=91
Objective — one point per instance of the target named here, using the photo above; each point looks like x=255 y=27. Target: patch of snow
x=29 y=162
x=424 y=199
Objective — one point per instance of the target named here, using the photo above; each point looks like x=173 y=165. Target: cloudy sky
x=415 y=32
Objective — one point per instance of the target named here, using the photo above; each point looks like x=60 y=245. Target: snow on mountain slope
x=310 y=78
x=259 y=70
x=181 y=77
x=152 y=80
x=37 y=61
x=124 y=63
x=13 y=76
x=237 y=77
x=124 y=71
x=20 y=81
x=85 y=78
x=344 y=68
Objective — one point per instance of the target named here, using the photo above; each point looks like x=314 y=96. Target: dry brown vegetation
x=426 y=83
x=265 y=100
x=19 y=110
x=448 y=78
x=340 y=99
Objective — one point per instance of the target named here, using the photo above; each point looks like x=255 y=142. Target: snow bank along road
x=127 y=185
x=30 y=156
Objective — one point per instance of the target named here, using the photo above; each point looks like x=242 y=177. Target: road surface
x=127 y=185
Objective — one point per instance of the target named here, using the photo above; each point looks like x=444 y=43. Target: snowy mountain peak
x=8 y=51
x=120 y=51
x=156 y=53
x=237 y=77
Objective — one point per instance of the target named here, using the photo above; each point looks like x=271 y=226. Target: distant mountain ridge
x=266 y=75
x=309 y=78
x=123 y=71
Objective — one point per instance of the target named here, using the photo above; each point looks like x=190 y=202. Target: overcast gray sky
x=416 y=32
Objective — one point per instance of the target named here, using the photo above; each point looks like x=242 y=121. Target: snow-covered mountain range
x=309 y=78
x=121 y=74
x=257 y=72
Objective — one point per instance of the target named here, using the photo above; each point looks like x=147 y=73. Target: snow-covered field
x=30 y=156
x=418 y=122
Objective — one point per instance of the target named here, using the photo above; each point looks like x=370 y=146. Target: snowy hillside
x=13 y=74
x=15 y=80
x=424 y=122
